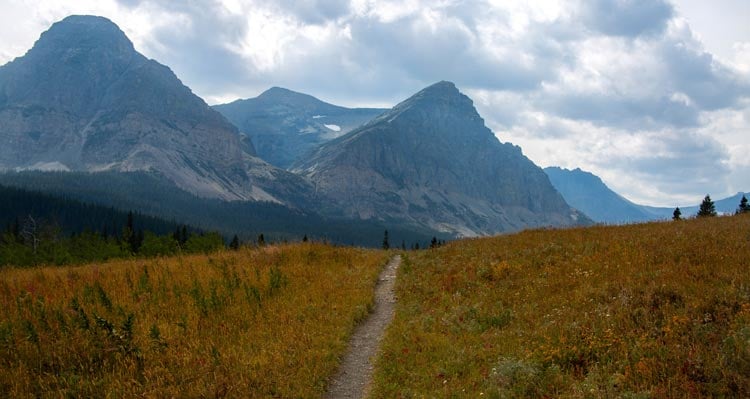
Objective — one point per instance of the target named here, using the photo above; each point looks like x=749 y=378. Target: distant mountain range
x=283 y=125
x=82 y=106
x=588 y=193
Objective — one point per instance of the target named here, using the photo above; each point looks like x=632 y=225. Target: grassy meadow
x=267 y=322
x=648 y=310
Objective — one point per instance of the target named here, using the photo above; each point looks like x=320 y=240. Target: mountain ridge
x=588 y=193
x=284 y=125
x=431 y=160
x=83 y=99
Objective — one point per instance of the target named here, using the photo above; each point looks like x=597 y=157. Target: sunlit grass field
x=267 y=322
x=650 y=310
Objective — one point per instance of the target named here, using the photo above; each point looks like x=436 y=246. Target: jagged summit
x=440 y=96
x=282 y=93
x=442 y=109
x=443 y=88
x=84 y=33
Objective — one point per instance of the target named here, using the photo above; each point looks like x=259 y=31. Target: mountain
x=430 y=161
x=588 y=193
x=283 y=125
x=727 y=205
x=83 y=99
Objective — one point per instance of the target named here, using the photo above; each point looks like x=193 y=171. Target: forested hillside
x=43 y=229
x=149 y=194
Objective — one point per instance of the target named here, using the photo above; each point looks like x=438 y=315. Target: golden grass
x=254 y=323
x=651 y=310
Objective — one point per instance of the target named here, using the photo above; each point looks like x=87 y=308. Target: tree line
x=33 y=241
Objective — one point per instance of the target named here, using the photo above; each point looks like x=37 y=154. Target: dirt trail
x=355 y=375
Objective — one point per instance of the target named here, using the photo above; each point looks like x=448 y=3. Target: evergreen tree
x=707 y=208
x=261 y=240
x=128 y=235
x=434 y=242
x=386 y=244
x=235 y=244
x=304 y=239
x=403 y=245
x=744 y=207
x=677 y=214
x=15 y=230
x=129 y=223
x=137 y=241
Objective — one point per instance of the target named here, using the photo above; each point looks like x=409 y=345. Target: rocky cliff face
x=431 y=161
x=284 y=125
x=83 y=99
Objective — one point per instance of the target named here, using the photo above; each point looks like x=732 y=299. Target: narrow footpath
x=354 y=378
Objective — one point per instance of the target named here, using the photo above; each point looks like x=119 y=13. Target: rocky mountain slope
x=83 y=99
x=431 y=161
x=284 y=125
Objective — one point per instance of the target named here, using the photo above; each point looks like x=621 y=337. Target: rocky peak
x=84 y=33
x=280 y=93
x=71 y=66
x=439 y=109
x=84 y=99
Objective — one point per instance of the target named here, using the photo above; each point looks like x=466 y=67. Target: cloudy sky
x=651 y=95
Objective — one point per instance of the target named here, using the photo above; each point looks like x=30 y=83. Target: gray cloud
x=708 y=83
x=629 y=18
x=315 y=11
x=191 y=39
x=675 y=83
x=678 y=164
x=612 y=109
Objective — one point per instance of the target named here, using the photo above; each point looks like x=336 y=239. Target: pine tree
x=386 y=244
x=137 y=241
x=261 y=240
x=434 y=242
x=403 y=245
x=677 y=214
x=128 y=235
x=304 y=239
x=707 y=208
x=744 y=207
x=235 y=244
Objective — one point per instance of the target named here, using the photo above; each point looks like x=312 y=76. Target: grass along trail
x=354 y=377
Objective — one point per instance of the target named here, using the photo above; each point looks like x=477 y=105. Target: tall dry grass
x=253 y=323
x=651 y=310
